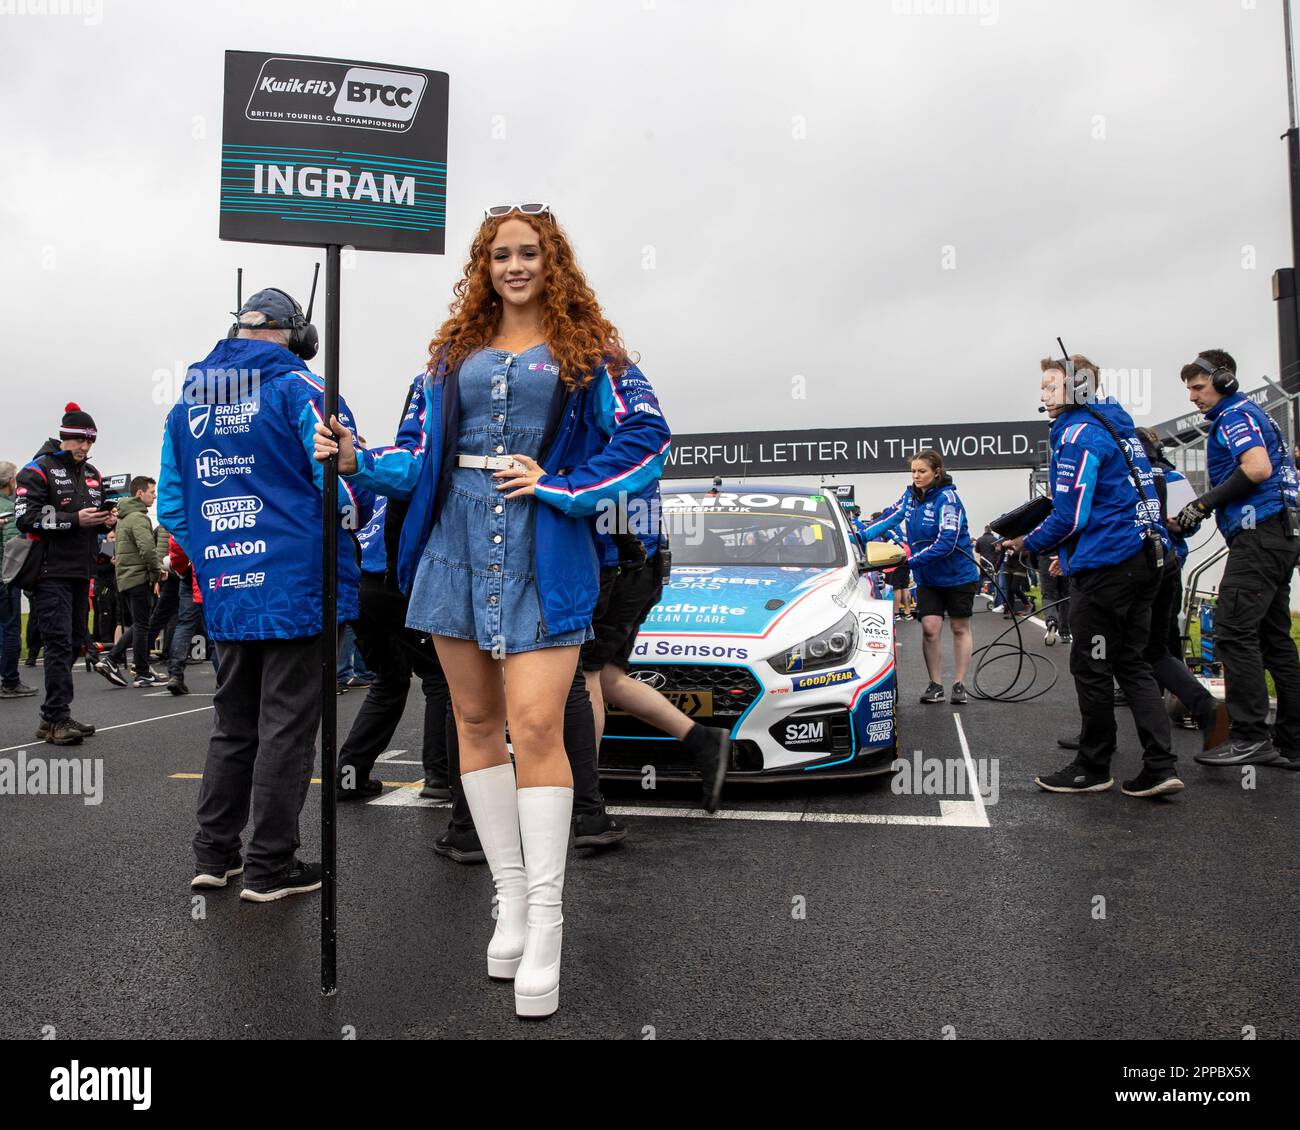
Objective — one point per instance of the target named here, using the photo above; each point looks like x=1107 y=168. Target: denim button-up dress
x=475 y=580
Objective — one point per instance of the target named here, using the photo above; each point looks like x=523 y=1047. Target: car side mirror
x=883 y=555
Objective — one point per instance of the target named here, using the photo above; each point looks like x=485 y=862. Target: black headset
x=1222 y=378
x=304 y=341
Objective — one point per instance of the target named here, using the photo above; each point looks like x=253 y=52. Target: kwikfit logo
x=272 y=85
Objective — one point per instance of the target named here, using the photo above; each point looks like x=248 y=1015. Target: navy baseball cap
x=280 y=309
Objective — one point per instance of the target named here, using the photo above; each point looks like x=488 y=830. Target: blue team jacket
x=1096 y=518
x=939 y=542
x=605 y=444
x=1238 y=424
x=241 y=494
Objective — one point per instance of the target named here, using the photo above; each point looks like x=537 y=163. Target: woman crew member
x=939 y=553
x=529 y=418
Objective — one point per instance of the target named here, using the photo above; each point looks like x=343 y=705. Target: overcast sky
x=903 y=208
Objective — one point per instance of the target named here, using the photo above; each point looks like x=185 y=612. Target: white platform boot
x=490 y=794
x=544 y=817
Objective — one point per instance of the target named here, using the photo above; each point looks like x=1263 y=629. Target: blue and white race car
x=767 y=627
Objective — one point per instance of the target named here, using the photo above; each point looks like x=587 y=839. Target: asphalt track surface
x=801 y=912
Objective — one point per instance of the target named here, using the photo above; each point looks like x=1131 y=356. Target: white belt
x=486 y=462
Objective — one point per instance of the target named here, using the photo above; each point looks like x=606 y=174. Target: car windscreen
x=733 y=528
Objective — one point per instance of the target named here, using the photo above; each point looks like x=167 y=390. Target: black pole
x=1284 y=282
x=329 y=643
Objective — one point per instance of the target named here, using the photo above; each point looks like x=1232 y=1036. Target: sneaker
x=300 y=879
x=357 y=681
x=1285 y=760
x=153 y=679
x=435 y=788
x=933 y=693
x=461 y=846
x=998 y=608
x=176 y=684
x=62 y=732
x=1051 y=635
x=363 y=789
x=959 y=696
x=711 y=746
x=21 y=690
x=1070 y=743
x=1075 y=778
x=215 y=876
x=597 y=829
x=1147 y=783
x=1240 y=753
x=1066 y=637
x=108 y=669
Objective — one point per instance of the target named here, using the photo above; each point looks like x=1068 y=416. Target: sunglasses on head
x=499 y=210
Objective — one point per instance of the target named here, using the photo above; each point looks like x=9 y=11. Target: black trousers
x=165 y=607
x=1053 y=589
x=1110 y=619
x=136 y=636
x=33 y=629
x=394 y=653
x=1252 y=632
x=263 y=745
x=61 y=608
x=105 y=612
x=579 y=745
x=1164 y=650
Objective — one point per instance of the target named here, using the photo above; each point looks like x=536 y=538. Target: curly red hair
x=578 y=334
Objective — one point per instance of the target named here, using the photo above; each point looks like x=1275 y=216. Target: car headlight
x=828 y=648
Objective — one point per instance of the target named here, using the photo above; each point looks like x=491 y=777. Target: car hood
x=723 y=600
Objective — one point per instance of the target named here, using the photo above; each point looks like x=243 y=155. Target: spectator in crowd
x=60 y=509
x=190 y=633
x=138 y=571
x=106 y=596
x=11 y=597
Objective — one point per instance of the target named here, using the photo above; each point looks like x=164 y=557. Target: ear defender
x=1223 y=379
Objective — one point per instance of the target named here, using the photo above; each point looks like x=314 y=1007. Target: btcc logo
x=374 y=92
x=391 y=95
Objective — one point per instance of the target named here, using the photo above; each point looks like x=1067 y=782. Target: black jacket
x=50 y=491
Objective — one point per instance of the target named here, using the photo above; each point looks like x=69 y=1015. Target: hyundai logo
x=655 y=680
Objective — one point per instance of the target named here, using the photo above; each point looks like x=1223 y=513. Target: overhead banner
x=332 y=151
x=839 y=451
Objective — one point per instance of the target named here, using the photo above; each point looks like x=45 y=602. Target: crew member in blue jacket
x=242 y=495
x=941 y=559
x=1111 y=542
x=530 y=416
x=1253 y=495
